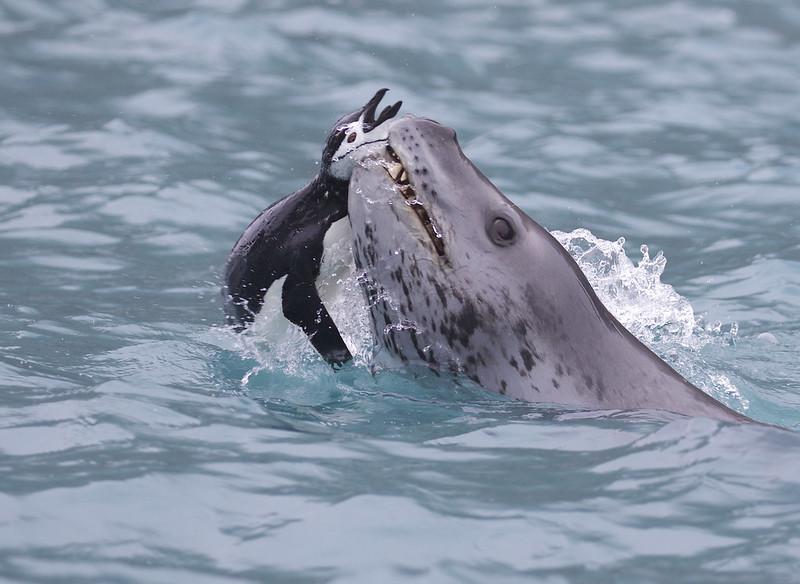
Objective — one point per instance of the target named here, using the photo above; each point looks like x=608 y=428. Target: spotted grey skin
x=284 y=245
x=460 y=279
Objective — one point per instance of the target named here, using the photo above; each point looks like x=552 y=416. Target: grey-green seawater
x=140 y=442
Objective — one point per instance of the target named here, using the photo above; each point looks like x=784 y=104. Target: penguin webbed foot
x=390 y=111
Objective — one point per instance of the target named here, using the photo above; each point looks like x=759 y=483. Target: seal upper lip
x=399 y=175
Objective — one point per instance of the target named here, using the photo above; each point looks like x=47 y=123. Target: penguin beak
x=368 y=112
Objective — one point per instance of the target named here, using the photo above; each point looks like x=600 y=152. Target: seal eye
x=501 y=231
x=351 y=137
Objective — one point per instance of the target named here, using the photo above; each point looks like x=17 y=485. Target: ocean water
x=142 y=442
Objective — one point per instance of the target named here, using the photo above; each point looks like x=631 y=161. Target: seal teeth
x=395 y=170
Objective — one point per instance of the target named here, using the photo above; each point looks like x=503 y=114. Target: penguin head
x=359 y=131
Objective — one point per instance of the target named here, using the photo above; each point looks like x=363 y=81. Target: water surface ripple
x=138 y=139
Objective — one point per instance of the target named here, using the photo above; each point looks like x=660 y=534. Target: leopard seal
x=460 y=280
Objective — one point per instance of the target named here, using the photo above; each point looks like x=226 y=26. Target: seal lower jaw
x=399 y=175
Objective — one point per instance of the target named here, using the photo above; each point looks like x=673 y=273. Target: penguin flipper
x=303 y=307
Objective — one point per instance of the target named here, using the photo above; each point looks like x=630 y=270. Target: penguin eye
x=352 y=137
x=501 y=231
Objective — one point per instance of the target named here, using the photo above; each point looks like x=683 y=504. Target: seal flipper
x=303 y=307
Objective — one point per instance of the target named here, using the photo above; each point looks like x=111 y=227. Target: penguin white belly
x=270 y=324
x=339 y=290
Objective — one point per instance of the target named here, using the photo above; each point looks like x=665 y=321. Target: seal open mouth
x=398 y=173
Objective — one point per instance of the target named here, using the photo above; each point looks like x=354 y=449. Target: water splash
x=634 y=293
x=652 y=310
x=278 y=346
